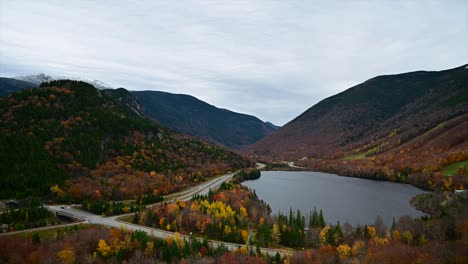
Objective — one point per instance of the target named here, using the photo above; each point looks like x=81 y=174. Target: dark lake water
x=352 y=200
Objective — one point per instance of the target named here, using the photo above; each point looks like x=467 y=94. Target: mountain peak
x=39 y=78
x=35 y=79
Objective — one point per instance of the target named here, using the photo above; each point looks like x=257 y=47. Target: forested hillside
x=191 y=116
x=8 y=85
x=407 y=127
x=181 y=112
x=71 y=134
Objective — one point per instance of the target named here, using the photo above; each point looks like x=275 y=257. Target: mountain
x=124 y=97
x=392 y=126
x=8 y=85
x=41 y=77
x=273 y=126
x=192 y=116
x=92 y=146
x=184 y=113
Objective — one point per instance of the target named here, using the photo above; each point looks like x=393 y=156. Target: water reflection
x=344 y=199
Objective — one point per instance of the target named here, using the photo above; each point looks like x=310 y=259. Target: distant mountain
x=95 y=146
x=8 y=85
x=36 y=79
x=184 y=113
x=41 y=77
x=192 y=116
x=401 y=125
x=273 y=126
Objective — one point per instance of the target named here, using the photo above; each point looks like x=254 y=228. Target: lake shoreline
x=411 y=201
x=397 y=198
x=348 y=176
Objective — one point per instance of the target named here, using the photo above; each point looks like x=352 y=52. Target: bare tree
x=380 y=227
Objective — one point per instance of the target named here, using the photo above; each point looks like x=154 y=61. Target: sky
x=271 y=59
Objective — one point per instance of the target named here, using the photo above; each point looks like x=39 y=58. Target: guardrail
x=213 y=243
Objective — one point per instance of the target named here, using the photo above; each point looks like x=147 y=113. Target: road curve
x=185 y=195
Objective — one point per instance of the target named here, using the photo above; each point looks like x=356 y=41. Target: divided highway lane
x=114 y=222
x=186 y=195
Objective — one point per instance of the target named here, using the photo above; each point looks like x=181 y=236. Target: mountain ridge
x=42 y=77
x=184 y=113
x=8 y=85
x=368 y=125
x=195 y=117
x=70 y=134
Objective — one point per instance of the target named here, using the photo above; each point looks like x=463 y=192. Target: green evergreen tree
x=136 y=218
x=358 y=232
x=366 y=232
x=310 y=220
x=277 y=258
x=291 y=215
x=321 y=220
x=338 y=233
x=36 y=239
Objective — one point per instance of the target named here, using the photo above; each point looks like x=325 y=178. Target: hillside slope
x=71 y=134
x=183 y=113
x=413 y=123
x=189 y=115
x=8 y=85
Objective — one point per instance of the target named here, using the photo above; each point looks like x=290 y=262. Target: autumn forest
x=97 y=154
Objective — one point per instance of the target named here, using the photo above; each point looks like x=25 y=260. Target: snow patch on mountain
x=36 y=79
x=41 y=77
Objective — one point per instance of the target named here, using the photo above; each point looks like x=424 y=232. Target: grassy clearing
x=51 y=233
x=452 y=169
x=126 y=218
x=360 y=155
x=355 y=156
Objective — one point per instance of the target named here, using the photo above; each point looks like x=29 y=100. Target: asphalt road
x=185 y=195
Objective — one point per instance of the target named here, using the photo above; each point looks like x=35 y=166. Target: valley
x=404 y=128
x=138 y=162
x=252 y=132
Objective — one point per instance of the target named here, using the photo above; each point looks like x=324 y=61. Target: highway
x=184 y=195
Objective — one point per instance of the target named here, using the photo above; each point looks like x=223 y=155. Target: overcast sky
x=271 y=59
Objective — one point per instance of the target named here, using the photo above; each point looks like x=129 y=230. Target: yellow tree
x=372 y=232
x=103 y=249
x=149 y=248
x=358 y=247
x=276 y=234
x=55 y=191
x=243 y=211
x=66 y=256
x=408 y=237
x=324 y=235
x=447 y=185
x=344 y=250
x=178 y=239
x=227 y=230
x=114 y=240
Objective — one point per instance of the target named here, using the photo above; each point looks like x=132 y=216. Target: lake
x=347 y=199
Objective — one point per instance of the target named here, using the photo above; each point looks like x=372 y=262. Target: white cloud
x=272 y=59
